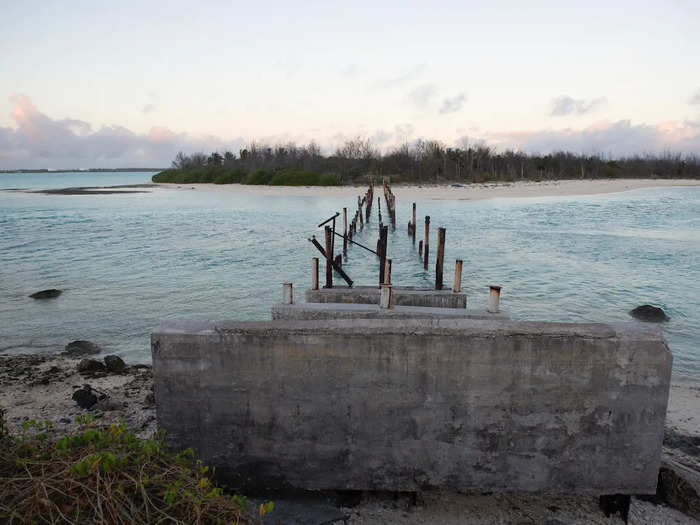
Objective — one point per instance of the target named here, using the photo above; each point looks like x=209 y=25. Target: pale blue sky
x=128 y=83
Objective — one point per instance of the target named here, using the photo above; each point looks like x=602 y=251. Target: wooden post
x=458 y=276
x=413 y=224
x=420 y=249
x=387 y=272
x=426 y=243
x=345 y=231
x=329 y=257
x=439 y=260
x=314 y=273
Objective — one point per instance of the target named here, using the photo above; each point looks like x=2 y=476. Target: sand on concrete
x=552 y=188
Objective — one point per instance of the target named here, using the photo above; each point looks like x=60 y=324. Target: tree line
x=423 y=161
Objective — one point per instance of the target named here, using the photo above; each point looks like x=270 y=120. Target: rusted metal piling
x=494 y=298
x=387 y=272
x=420 y=249
x=287 y=294
x=345 y=231
x=385 y=299
x=426 y=244
x=381 y=251
x=314 y=273
x=413 y=224
x=329 y=257
x=359 y=208
x=440 y=259
x=457 y=287
x=390 y=204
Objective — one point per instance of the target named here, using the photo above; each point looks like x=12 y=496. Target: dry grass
x=108 y=475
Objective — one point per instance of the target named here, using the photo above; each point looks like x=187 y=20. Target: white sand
x=448 y=192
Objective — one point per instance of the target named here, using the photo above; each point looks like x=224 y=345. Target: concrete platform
x=414 y=404
x=403 y=296
x=311 y=311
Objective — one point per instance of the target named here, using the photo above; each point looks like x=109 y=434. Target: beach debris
x=80 y=348
x=649 y=313
x=114 y=364
x=46 y=294
x=90 y=366
x=85 y=397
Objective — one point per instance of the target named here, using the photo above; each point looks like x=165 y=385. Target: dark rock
x=115 y=364
x=615 y=504
x=687 y=444
x=87 y=366
x=150 y=400
x=301 y=512
x=85 y=397
x=46 y=294
x=649 y=313
x=80 y=347
x=107 y=405
x=66 y=420
x=679 y=486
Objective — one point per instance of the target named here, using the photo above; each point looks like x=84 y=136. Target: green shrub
x=108 y=475
x=220 y=175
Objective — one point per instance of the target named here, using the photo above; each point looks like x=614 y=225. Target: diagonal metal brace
x=335 y=266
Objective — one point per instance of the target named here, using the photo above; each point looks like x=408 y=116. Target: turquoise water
x=126 y=262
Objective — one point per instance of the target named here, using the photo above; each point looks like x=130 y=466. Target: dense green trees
x=422 y=161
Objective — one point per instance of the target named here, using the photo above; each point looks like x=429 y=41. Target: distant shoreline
x=454 y=191
x=91 y=170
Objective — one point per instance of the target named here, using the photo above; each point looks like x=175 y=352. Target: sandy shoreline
x=555 y=188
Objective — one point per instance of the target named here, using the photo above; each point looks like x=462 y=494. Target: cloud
x=402 y=78
x=350 y=70
x=452 y=104
x=422 y=95
x=695 y=99
x=621 y=138
x=38 y=141
x=565 y=105
x=148 y=108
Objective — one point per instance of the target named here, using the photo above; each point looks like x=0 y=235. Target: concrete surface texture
x=410 y=404
x=311 y=311
x=402 y=296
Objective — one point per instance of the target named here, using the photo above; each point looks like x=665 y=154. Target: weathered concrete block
x=409 y=404
x=312 y=311
x=403 y=296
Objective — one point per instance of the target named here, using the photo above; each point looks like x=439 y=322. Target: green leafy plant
x=106 y=474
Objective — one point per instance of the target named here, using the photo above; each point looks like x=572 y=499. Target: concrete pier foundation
x=409 y=404
x=402 y=296
x=311 y=311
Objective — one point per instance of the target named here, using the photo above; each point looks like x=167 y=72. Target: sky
x=128 y=84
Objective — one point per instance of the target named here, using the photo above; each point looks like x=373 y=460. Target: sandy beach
x=554 y=188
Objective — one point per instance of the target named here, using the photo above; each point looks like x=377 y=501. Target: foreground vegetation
x=107 y=475
x=421 y=161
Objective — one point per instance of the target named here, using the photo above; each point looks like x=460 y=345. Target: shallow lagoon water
x=126 y=262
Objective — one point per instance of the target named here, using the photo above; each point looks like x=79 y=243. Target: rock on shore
x=42 y=387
